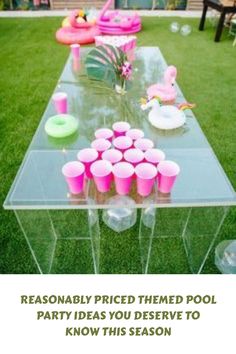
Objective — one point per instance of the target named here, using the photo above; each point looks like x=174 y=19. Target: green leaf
x=104 y=62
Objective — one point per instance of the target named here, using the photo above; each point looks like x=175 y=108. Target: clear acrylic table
x=65 y=232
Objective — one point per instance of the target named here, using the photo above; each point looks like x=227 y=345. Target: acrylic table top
x=39 y=183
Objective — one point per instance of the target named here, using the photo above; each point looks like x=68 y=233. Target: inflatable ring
x=167 y=120
x=71 y=35
x=61 y=125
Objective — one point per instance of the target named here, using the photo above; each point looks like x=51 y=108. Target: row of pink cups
x=123 y=173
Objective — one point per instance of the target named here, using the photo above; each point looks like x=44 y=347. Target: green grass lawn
x=30 y=64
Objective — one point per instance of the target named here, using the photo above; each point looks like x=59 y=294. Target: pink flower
x=126 y=70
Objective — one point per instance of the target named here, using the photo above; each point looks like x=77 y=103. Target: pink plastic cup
x=135 y=134
x=102 y=174
x=74 y=174
x=60 y=102
x=104 y=133
x=123 y=175
x=154 y=156
x=123 y=143
x=167 y=173
x=146 y=174
x=134 y=156
x=120 y=128
x=143 y=144
x=101 y=145
x=75 y=51
x=87 y=157
x=112 y=155
x=76 y=65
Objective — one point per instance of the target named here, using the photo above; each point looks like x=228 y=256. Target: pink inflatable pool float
x=81 y=33
x=113 y=22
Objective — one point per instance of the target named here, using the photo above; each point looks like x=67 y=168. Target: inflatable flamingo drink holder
x=77 y=30
x=114 y=23
x=165 y=90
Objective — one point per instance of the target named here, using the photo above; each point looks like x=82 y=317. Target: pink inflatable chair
x=113 y=22
x=77 y=33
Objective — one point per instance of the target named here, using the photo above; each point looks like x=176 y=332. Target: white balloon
x=185 y=30
x=174 y=27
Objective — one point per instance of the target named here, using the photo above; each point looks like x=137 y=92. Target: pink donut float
x=81 y=33
x=71 y=35
x=114 y=22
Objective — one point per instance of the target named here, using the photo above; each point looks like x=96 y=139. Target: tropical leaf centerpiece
x=109 y=64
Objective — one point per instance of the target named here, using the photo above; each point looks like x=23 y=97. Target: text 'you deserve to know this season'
x=118 y=315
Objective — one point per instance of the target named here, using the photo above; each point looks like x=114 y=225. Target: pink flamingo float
x=81 y=33
x=166 y=90
x=113 y=22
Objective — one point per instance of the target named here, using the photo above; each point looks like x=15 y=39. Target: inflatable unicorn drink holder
x=165 y=117
x=113 y=22
x=166 y=90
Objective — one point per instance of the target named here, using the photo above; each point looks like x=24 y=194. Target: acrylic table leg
x=94 y=232
x=40 y=235
x=202 y=229
x=146 y=233
x=76 y=248
x=167 y=253
x=62 y=241
x=180 y=239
